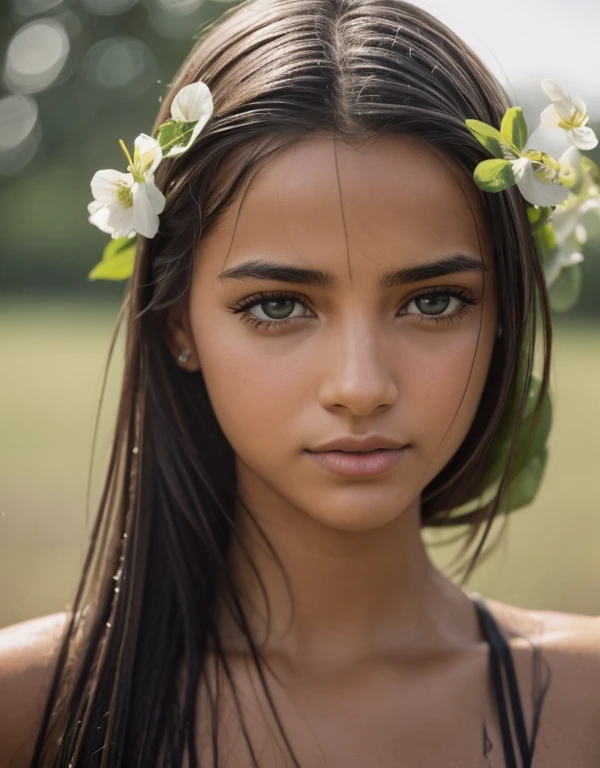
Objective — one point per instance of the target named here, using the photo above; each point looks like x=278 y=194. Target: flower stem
x=127 y=155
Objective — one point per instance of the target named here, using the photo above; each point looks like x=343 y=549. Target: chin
x=361 y=510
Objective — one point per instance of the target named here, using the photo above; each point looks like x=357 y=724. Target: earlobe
x=178 y=337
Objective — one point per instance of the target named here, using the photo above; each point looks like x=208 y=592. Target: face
x=348 y=292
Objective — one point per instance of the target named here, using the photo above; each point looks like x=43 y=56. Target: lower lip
x=358 y=464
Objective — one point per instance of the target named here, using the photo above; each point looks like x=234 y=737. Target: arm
x=28 y=653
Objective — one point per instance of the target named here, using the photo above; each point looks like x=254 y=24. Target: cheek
x=448 y=381
x=253 y=383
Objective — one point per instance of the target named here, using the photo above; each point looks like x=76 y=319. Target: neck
x=348 y=595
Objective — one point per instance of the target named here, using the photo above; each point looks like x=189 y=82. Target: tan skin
x=383 y=659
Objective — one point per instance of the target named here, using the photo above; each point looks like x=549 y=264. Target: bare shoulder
x=28 y=655
x=559 y=653
x=570 y=636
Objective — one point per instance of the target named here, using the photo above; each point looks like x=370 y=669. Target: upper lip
x=358 y=443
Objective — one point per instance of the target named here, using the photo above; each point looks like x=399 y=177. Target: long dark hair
x=135 y=652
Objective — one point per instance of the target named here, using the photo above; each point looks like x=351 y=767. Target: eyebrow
x=284 y=273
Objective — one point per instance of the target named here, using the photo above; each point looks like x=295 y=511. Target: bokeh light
x=19 y=132
x=175 y=26
x=33 y=7
x=180 y=7
x=108 y=7
x=120 y=64
x=36 y=56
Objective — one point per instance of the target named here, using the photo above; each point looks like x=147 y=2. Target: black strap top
x=506 y=691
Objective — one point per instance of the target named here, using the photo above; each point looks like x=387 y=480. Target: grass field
x=53 y=359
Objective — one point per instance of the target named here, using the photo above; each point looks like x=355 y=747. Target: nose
x=358 y=369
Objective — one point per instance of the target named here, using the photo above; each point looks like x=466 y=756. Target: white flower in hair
x=569 y=114
x=128 y=203
x=537 y=176
x=536 y=173
x=191 y=109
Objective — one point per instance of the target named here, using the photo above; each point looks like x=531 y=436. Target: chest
x=382 y=718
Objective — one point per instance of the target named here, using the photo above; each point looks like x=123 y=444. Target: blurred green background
x=77 y=76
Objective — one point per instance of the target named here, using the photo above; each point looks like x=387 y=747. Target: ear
x=178 y=335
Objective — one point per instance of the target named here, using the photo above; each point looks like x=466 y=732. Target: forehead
x=386 y=202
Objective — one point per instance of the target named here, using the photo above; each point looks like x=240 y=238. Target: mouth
x=359 y=463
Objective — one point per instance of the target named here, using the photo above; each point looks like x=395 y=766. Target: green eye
x=278 y=309
x=434 y=304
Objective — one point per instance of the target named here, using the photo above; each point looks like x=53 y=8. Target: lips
x=359 y=464
x=359 y=444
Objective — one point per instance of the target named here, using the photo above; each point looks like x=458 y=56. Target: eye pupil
x=433 y=305
x=279 y=309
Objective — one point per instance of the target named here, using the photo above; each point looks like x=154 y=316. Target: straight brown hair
x=144 y=611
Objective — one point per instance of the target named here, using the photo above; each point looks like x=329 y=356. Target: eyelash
x=243 y=306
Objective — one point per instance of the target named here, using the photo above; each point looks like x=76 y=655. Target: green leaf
x=168 y=133
x=494 y=175
x=524 y=488
x=533 y=433
x=117 y=260
x=514 y=128
x=531 y=438
x=489 y=137
x=173 y=133
x=545 y=238
x=565 y=291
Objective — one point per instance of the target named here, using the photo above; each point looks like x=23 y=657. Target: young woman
x=330 y=345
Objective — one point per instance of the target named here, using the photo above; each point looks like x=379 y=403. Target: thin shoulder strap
x=501 y=659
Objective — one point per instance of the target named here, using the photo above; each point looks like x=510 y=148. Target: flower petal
x=570 y=167
x=121 y=219
x=155 y=196
x=591 y=204
x=99 y=218
x=148 y=154
x=95 y=206
x=564 y=258
x=580 y=234
x=550 y=116
x=564 y=221
x=105 y=184
x=193 y=102
x=548 y=138
x=571 y=159
x=562 y=103
x=535 y=191
x=145 y=219
x=581 y=108
x=553 y=90
x=113 y=219
x=583 y=138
